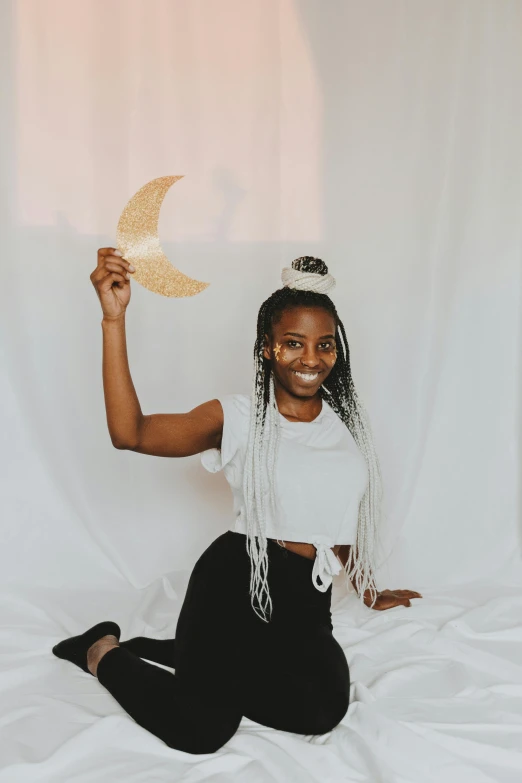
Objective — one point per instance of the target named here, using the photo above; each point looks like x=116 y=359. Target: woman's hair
x=264 y=434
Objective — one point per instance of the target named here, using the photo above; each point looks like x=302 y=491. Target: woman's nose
x=309 y=359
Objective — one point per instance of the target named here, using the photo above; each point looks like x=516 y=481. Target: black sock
x=74 y=648
x=158 y=650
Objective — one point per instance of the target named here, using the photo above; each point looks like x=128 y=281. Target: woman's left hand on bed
x=387 y=599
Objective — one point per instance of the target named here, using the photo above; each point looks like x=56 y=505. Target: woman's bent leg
x=300 y=684
x=184 y=717
x=289 y=674
x=157 y=650
x=196 y=709
x=296 y=676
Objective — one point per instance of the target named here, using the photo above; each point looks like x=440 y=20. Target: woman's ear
x=266 y=349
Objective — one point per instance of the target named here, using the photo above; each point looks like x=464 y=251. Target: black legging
x=290 y=674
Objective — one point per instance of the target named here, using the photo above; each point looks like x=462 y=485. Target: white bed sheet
x=436 y=696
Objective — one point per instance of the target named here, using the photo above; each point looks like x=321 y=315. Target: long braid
x=264 y=436
x=343 y=398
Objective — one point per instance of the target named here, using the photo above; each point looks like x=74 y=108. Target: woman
x=254 y=635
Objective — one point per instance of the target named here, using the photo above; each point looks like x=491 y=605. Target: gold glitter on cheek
x=332 y=356
x=277 y=350
x=137 y=239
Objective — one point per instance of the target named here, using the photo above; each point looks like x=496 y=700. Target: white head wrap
x=307 y=281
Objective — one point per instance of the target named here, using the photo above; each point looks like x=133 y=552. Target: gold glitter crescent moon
x=138 y=240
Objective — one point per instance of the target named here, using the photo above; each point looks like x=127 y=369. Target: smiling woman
x=325 y=345
x=298 y=454
x=302 y=356
x=302 y=364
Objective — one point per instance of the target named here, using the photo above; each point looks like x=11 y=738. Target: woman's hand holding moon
x=387 y=599
x=111 y=281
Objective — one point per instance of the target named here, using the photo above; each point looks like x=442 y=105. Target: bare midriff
x=305 y=550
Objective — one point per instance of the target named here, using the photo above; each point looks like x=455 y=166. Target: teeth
x=307 y=376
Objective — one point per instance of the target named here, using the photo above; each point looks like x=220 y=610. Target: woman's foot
x=75 y=648
x=97 y=650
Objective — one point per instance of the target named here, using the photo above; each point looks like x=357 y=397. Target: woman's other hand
x=111 y=281
x=387 y=599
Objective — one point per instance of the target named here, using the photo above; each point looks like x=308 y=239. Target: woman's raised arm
x=160 y=434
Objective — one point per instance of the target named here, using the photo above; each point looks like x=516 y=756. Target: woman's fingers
x=103 y=272
x=110 y=254
x=117 y=276
x=111 y=279
x=403 y=593
x=388 y=602
x=389 y=598
x=122 y=269
x=117 y=262
x=117 y=265
x=103 y=252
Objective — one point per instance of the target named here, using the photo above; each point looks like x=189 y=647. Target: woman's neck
x=296 y=408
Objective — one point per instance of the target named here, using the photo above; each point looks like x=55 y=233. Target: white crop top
x=320 y=478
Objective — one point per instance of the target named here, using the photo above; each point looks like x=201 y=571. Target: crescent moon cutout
x=137 y=238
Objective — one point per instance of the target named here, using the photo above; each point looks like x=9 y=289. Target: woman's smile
x=307 y=377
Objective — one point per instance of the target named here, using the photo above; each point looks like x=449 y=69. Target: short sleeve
x=235 y=430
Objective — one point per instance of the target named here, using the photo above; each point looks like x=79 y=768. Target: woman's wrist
x=113 y=319
x=369 y=594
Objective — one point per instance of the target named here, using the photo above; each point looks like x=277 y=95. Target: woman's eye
x=324 y=346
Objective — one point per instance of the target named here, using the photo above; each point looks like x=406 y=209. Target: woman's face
x=302 y=349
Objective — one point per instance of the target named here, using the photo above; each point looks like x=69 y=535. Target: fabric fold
x=326 y=566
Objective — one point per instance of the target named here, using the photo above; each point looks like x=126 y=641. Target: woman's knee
x=198 y=745
x=329 y=713
x=203 y=737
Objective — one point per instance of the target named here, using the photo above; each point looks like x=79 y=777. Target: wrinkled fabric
x=435 y=694
x=326 y=565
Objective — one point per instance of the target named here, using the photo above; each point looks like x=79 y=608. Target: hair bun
x=310 y=264
x=308 y=274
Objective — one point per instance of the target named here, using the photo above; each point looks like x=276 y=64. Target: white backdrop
x=383 y=137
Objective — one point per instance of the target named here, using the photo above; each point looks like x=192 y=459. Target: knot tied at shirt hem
x=326 y=566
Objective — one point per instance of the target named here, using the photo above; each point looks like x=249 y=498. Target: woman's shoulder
x=236 y=414
x=241 y=400
x=237 y=404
